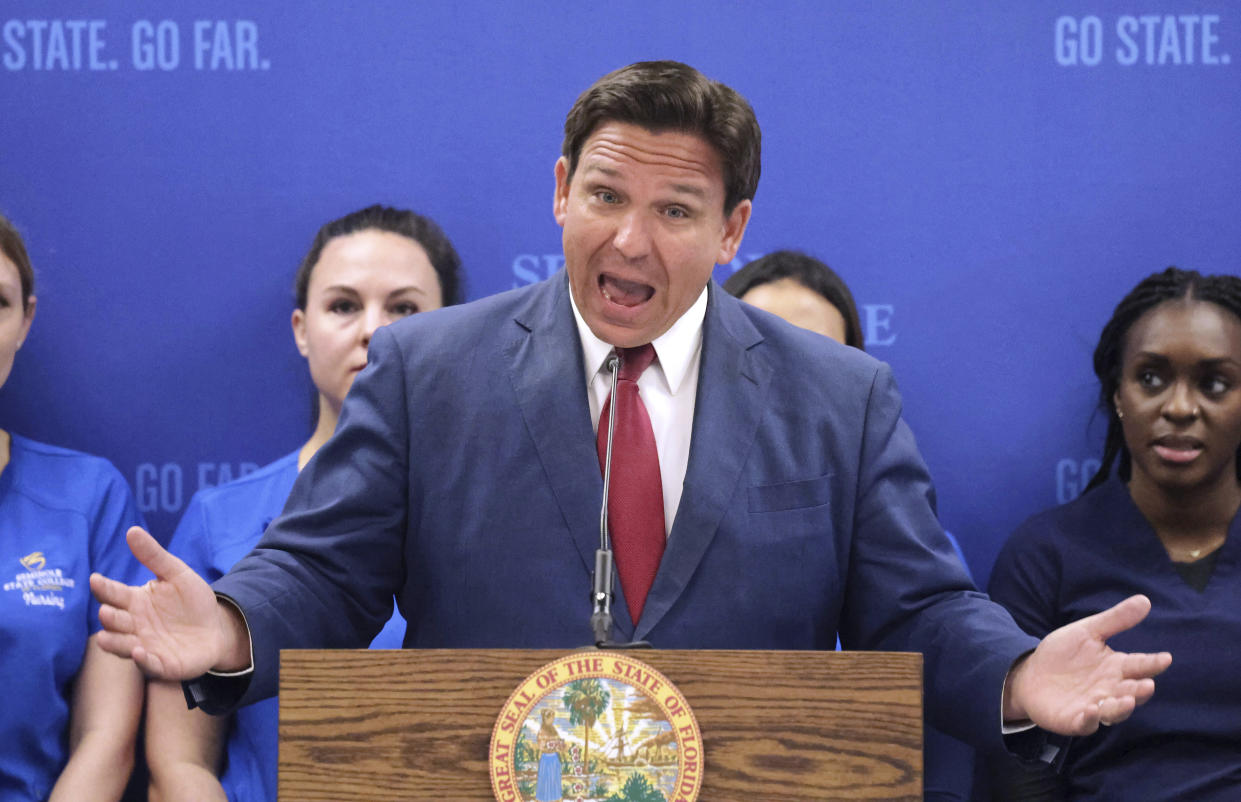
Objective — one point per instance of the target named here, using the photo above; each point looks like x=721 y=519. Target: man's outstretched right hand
x=173 y=627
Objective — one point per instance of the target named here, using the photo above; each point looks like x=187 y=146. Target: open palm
x=172 y=626
x=1074 y=681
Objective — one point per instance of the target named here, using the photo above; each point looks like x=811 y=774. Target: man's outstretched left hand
x=1073 y=682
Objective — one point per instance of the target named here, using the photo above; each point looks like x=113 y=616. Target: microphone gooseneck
x=605 y=544
x=601 y=579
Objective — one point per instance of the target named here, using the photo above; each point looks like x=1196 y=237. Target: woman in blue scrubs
x=70 y=709
x=363 y=271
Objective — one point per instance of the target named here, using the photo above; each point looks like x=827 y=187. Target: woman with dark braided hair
x=1161 y=518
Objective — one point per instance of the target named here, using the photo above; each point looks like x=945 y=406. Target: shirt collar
x=675 y=348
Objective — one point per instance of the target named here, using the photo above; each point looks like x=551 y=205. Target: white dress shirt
x=668 y=388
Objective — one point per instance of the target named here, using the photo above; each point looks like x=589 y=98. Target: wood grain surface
x=776 y=726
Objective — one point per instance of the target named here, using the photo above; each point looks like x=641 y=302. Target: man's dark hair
x=808 y=272
x=1170 y=285
x=14 y=249
x=420 y=229
x=671 y=96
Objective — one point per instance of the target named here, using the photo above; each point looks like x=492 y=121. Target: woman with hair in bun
x=71 y=710
x=807 y=293
x=1161 y=518
x=363 y=271
x=802 y=290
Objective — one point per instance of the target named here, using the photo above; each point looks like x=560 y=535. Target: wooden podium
x=776 y=726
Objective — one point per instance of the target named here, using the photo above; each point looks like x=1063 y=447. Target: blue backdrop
x=989 y=177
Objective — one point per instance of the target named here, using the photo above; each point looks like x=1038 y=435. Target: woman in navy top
x=363 y=271
x=70 y=709
x=1167 y=525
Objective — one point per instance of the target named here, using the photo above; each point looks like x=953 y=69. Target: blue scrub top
x=62 y=515
x=220 y=526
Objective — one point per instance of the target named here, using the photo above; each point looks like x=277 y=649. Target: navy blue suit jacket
x=463 y=479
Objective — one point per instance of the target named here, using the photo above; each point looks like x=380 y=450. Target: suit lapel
x=732 y=386
x=545 y=367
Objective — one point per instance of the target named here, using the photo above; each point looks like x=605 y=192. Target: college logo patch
x=596 y=727
x=39 y=585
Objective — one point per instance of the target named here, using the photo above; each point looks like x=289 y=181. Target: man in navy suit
x=464 y=479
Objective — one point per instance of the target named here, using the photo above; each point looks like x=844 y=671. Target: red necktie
x=636 y=495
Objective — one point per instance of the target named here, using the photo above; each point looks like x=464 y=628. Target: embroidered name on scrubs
x=39 y=585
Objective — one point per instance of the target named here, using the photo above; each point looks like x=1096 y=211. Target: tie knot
x=635 y=360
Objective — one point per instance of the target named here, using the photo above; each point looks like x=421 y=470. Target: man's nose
x=632 y=239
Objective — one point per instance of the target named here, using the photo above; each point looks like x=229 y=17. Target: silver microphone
x=601 y=579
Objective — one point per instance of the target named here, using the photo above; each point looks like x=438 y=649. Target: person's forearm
x=175 y=782
x=99 y=768
x=184 y=748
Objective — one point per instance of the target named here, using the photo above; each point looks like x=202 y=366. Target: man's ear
x=734 y=230
x=560 y=204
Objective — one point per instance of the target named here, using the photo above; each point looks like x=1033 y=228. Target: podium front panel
x=777 y=726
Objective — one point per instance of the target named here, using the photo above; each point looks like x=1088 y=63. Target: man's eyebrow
x=690 y=189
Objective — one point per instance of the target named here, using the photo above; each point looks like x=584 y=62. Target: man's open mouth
x=623 y=292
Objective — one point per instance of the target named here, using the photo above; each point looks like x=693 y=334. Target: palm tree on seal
x=586 y=699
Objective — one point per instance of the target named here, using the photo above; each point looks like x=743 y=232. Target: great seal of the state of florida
x=595 y=726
